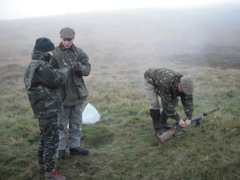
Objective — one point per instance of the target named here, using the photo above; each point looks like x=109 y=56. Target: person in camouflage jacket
x=74 y=90
x=43 y=88
x=169 y=85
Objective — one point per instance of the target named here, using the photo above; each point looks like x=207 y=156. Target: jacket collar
x=73 y=47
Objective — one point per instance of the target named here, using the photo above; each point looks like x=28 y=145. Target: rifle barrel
x=205 y=114
x=211 y=111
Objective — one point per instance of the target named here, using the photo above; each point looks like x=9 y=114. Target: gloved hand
x=65 y=65
x=77 y=67
x=64 y=71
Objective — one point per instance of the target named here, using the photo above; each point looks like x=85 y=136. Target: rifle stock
x=166 y=136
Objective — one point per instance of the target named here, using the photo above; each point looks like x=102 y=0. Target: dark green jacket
x=43 y=86
x=75 y=90
x=165 y=81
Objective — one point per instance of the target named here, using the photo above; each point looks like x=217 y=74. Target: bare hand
x=188 y=122
x=185 y=123
x=182 y=123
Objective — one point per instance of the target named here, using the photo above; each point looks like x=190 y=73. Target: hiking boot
x=155 y=115
x=54 y=175
x=79 y=151
x=167 y=126
x=41 y=169
x=61 y=154
x=163 y=120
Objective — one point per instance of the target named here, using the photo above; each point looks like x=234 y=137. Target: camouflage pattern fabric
x=48 y=142
x=165 y=82
x=42 y=84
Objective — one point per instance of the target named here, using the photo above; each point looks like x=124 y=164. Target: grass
x=122 y=145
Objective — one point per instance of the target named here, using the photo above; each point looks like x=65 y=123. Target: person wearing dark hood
x=43 y=85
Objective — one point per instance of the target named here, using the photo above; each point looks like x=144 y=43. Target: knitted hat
x=187 y=85
x=44 y=45
x=67 y=33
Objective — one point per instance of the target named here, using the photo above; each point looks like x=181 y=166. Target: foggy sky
x=15 y=9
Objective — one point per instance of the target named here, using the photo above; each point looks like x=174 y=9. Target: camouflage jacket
x=75 y=90
x=165 y=81
x=42 y=84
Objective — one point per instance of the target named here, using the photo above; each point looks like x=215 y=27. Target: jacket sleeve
x=187 y=102
x=53 y=63
x=50 y=77
x=85 y=65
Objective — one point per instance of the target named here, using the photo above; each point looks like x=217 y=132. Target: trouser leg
x=40 y=142
x=62 y=127
x=151 y=95
x=51 y=138
x=154 y=106
x=75 y=126
x=155 y=115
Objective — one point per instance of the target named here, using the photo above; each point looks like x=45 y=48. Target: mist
x=199 y=36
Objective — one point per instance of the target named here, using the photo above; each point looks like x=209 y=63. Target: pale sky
x=16 y=9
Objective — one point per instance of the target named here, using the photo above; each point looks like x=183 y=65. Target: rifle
x=176 y=130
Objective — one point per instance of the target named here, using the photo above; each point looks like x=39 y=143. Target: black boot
x=79 y=151
x=163 y=119
x=41 y=168
x=155 y=115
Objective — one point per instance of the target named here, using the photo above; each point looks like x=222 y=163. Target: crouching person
x=43 y=88
x=170 y=86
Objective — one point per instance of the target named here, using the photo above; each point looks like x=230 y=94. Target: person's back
x=162 y=76
x=42 y=84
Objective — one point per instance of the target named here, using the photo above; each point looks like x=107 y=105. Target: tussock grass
x=123 y=145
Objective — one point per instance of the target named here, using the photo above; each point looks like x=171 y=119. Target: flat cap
x=67 y=33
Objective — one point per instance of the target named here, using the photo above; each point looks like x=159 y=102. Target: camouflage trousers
x=48 y=142
x=72 y=116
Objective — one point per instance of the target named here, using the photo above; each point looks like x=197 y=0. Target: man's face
x=67 y=42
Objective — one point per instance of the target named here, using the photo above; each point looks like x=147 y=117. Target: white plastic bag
x=90 y=115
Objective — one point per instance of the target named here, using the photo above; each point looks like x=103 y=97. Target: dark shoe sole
x=78 y=153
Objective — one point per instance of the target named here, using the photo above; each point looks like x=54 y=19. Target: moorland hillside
x=121 y=45
x=200 y=36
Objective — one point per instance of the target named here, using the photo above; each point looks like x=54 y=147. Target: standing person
x=169 y=86
x=75 y=92
x=43 y=88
